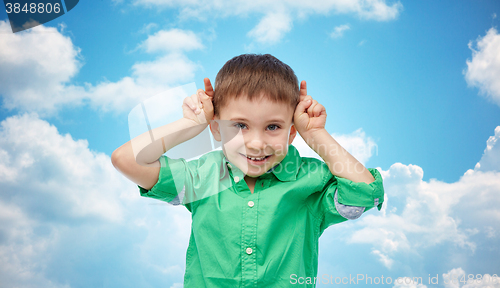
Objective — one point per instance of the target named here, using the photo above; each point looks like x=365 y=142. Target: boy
x=258 y=208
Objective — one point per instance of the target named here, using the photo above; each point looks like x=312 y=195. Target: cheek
x=280 y=142
x=231 y=137
x=232 y=144
x=279 y=151
x=233 y=141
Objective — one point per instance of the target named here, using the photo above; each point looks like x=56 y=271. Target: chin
x=252 y=176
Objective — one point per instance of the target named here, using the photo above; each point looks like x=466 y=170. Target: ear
x=293 y=133
x=214 y=128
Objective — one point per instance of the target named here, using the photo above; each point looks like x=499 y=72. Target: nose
x=256 y=141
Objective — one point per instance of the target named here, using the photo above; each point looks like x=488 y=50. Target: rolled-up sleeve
x=170 y=183
x=359 y=193
x=184 y=182
x=343 y=199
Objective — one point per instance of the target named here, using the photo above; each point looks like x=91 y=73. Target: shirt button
x=236 y=179
x=229 y=165
x=249 y=250
x=250 y=204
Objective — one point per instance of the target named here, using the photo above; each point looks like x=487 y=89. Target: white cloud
x=409 y=282
x=58 y=168
x=420 y=214
x=339 y=31
x=146 y=28
x=483 y=70
x=66 y=213
x=383 y=258
x=148 y=79
x=357 y=144
x=18 y=269
x=37 y=65
x=490 y=232
x=453 y=274
x=171 y=68
x=271 y=28
x=490 y=161
x=173 y=40
x=456 y=278
x=378 y=10
x=151 y=77
x=278 y=16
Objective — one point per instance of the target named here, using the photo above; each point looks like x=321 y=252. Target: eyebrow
x=246 y=120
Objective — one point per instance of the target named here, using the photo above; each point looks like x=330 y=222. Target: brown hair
x=252 y=75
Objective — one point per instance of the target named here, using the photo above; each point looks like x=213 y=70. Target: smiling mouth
x=260 y=158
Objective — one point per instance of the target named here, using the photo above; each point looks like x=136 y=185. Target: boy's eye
x=273 y=127
x=240 y=125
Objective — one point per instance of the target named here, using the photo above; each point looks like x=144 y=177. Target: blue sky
x=414 y=83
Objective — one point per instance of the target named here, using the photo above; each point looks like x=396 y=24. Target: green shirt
x=240 y=239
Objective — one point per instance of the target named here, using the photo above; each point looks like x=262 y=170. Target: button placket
x=248 y=244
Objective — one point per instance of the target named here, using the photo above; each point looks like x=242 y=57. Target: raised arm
x=309 y=120
x=138 y=158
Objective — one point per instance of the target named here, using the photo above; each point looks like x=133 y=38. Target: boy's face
x=254 y=134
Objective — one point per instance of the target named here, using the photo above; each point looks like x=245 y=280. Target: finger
x=188 y=101
x=200 y=94
x=308 y=99
x=209 y=90
x=197 y=100
x=206 y=102
x=303 y=88
x=194 y=103
x=310 y=110
x=318 y=110
x=302 y=107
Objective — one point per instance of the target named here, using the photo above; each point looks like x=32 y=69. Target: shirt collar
x=286 y=170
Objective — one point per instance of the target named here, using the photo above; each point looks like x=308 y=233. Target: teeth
x=258 y=159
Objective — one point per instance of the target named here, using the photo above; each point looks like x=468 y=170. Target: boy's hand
x=309 y=115
x=198 y=107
